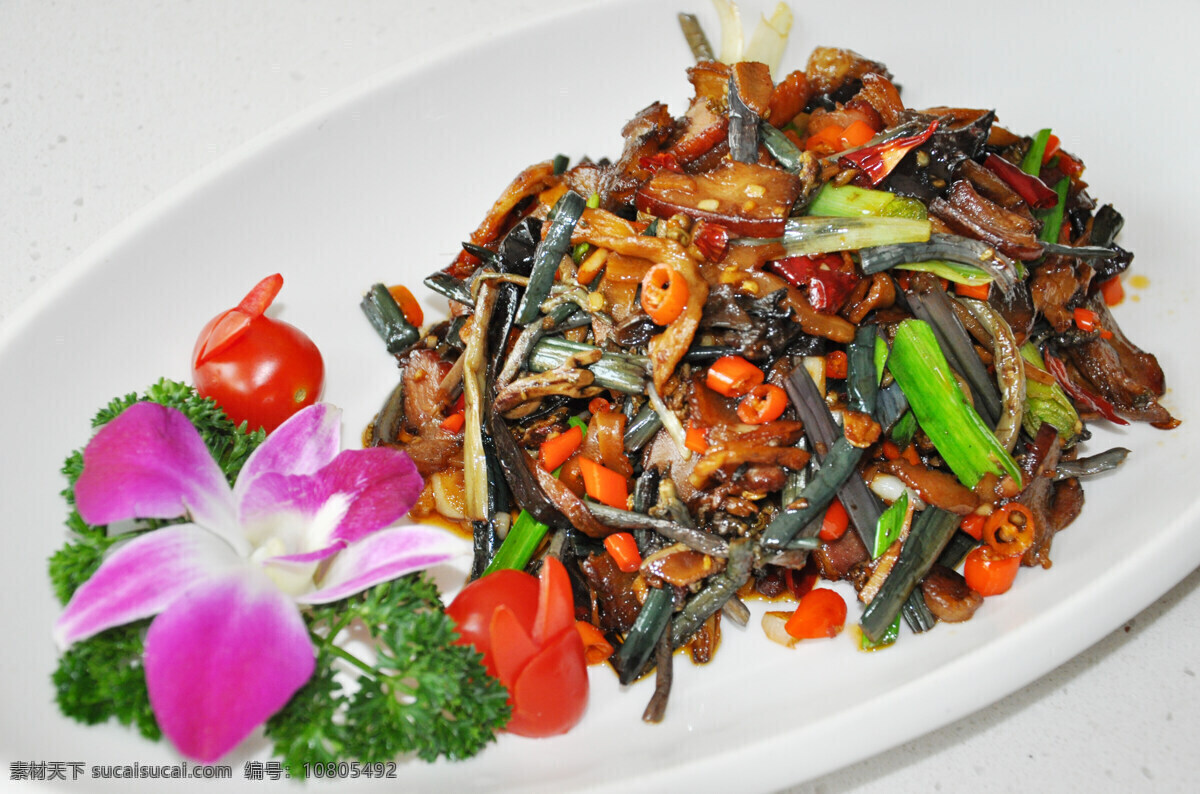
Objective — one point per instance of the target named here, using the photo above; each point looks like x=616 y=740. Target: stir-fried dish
x=798 y=308
x=800 y=333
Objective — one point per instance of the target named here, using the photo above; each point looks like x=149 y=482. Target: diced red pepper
x=1086 y=320
x=1033 y=190
x=1052 y=144
x=835 y=523
x=836 y=364
x=972 y=524
x=667 y=160
x=1081 y=395
x=696 y=439
x=712 y=239
x=825 y=277
x=1112 y=290
x=623 y=549
x=876 y=162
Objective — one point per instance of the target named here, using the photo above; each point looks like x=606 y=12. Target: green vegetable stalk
x=519 y=544
x=891 y=524
x=956 y=430
x=1047 y=403
x=850 y=201
x=1032 y=162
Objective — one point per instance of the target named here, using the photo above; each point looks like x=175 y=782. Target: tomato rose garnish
x=525 y=629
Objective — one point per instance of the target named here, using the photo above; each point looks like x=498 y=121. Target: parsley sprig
x=421 y=693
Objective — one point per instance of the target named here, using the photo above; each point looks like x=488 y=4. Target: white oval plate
x=383 y=184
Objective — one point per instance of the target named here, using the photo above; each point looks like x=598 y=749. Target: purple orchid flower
x=304 y=524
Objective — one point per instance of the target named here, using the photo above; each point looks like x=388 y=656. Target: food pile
x=800 y=332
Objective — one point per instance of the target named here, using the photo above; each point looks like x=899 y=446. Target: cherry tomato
x=258 y=369
x=525 y=629
x=988 y=573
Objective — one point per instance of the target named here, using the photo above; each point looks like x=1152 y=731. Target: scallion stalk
x=951 y=271
x=1047 y=402
x=812 y=235
x=641 y=428
x=948 y=247
x=891 y=525
x=697 y=539
x=475 y=469
x=1052 y=219
x=930 y=533
x=652 y=619
x=839 y=465
x=1032 y=162
x=523 y=538
x=956 y=430
x=550 y=251
x=388 y=320
x=623 y=373
x=786 y=153
x=720 y=588
x=929 y=302
x=450 y=287
x=851 y=201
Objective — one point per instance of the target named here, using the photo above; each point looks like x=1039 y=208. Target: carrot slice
x=603 y=484
x=696 y=439
x=596 y=647
x=624 y=551
x=976 y=291
x=857 y=134
x=408 y=304
x=557 y=450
